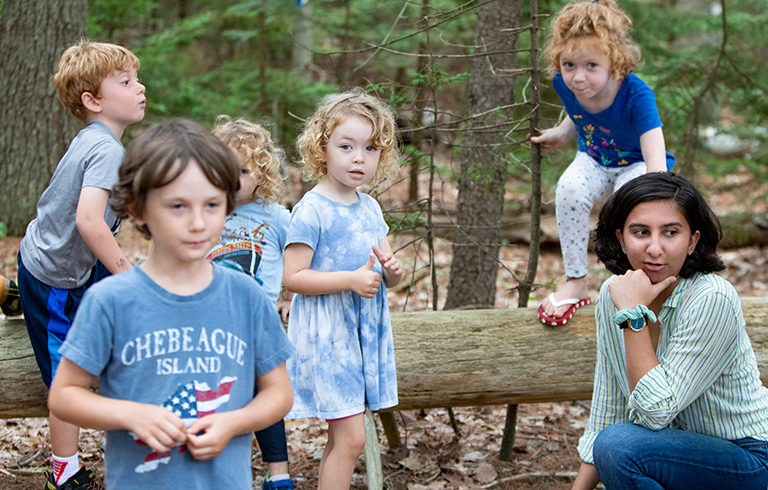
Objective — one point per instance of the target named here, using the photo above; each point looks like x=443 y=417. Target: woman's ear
x=693 y=241
x=91 y=102
x=620 y=238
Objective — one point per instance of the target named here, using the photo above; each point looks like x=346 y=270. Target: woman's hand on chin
x=635 y=288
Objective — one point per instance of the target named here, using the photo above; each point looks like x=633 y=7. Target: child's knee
x=569 y=193
x=351 y=440
x=354 y=442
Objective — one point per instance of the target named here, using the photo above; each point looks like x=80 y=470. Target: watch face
x=637 y=324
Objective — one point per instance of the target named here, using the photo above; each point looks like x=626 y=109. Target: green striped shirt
x=707 y=379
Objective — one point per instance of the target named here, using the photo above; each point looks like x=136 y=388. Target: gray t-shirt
x=193 y=354
x=52 y=248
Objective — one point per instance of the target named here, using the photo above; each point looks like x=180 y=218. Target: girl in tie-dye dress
x=339 y=262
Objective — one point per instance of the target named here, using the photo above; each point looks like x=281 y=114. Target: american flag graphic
x=189 y=402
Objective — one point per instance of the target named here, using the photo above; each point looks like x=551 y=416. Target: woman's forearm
x=586 y=478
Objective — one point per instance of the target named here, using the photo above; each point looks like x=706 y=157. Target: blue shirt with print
x=612 y=136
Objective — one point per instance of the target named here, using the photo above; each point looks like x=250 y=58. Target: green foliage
x=680 y=49
x=406 y=222
x=216 y=57
x=3 y=226
x=108 y=18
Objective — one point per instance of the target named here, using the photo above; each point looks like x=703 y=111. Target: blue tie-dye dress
x=344 y=351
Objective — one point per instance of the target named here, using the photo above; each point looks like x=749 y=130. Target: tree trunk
x=35 y=128
x=420 y=103
x=444 y=358
x=301 y=59
x=484 y=160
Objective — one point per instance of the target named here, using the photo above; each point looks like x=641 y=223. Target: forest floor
x=544 y=455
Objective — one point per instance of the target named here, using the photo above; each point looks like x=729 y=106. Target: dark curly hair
x=160 y=154
x=656 y=186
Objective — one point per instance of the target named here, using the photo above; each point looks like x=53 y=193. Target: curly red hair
x=601 y=20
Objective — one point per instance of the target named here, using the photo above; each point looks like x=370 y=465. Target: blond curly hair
x=602 y=20
x=262 y=157
x=313 y=141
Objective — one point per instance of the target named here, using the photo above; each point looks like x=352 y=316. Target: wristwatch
x=635 y=324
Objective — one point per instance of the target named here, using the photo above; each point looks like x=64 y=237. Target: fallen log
x=499 y=357
x=22 y=392
x=444 y=359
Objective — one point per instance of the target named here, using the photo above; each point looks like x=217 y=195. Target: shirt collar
x=676 y=297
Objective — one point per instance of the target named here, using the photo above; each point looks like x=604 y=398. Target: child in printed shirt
x=70 y=244
x=252 y=242
x=338 y=260
x=613 y=113
x=177 y=365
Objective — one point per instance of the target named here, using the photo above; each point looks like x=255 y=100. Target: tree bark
x=483 y=168
x=301 y=58
x=444 y=358
x=36 y=127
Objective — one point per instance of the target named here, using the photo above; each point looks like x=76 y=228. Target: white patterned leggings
x=582 y=184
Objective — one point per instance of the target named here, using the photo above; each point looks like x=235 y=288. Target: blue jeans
x=629 y=456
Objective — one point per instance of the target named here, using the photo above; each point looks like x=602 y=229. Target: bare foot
x=573 y=288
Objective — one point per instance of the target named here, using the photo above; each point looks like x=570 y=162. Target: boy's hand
x=207 y=437
x=156 y=426
x=392 y=267
x=365 y=282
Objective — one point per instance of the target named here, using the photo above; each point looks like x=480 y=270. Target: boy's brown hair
x=160 y=154
x=82 y=68
x=262 y=157
x=599 y=19
x=313 y=141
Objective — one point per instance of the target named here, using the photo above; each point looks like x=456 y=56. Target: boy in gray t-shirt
x=71 y=244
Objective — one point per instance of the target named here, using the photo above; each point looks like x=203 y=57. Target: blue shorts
x=48 y=313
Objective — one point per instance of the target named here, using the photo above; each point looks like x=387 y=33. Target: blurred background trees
x=457 y=73
x=274 y=60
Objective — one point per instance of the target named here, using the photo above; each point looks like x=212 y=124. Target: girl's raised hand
x=390 y=264
x=555 y=138
x=365 y=282
x=550 y=140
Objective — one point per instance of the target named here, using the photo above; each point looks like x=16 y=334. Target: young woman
x=677 y=400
